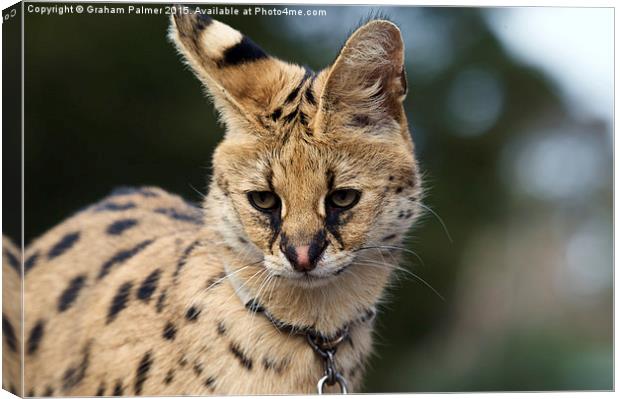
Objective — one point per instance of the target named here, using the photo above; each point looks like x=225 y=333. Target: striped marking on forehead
x=300 y=97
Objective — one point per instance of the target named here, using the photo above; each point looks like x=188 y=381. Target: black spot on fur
x=118 y=389
x=221 y=328
x=399 y=190
x=143 y=372
x=122 y=256
x=216 y=280
x=63 y=245
x=120 y=226
x=31 y=261
x=148 y=286
x=169 y=377
x=240 y=355
x=119 y=302
x=369 y=314
x=9 y=334
x=198 y=369
x=34 y=339
x=183 y=217
x=161 y=302
x=192 y=313
x=100 y=390
x=391 y=178
x=278 y=367
x=267 y=364
x=70 y=293
x=277 y=113
x=76 y=373
x=114 y=206
x=243 y=52
x=183 y=361
x=209 y=382
x=170 y=331
x=361 y=120
x=49 y=391
x=388 y=237
x=12 y=259
x=183 y=259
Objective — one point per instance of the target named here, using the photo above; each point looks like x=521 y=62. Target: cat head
x=316 y=170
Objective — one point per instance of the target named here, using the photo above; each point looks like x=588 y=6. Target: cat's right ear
x=236 y=72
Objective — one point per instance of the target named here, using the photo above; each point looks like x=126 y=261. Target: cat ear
x=367 y=84
x=236 y=72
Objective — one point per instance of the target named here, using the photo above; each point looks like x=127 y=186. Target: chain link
x=326 y=349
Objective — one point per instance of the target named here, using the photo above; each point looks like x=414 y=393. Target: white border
x=477 y=3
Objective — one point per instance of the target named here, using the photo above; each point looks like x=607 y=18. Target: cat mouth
x=309 y=279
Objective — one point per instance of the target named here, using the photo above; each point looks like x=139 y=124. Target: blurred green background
x=518 y=167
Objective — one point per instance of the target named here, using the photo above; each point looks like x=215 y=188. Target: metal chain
x=326 y=349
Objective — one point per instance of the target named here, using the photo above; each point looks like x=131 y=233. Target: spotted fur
x=145 y=294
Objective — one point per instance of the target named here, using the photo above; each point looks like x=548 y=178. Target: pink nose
x=303 y=258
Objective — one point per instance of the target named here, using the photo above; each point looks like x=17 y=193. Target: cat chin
x=308 y=281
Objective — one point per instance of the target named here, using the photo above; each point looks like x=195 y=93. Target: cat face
x=316 y=171
x=328 y=199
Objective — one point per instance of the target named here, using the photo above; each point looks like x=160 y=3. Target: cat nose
x=304 y=258
x=303 y=263
x=300 y=257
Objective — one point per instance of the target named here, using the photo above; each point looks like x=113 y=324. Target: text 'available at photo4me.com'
x=154 y=9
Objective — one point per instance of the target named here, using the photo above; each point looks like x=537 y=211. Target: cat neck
x=325 y=310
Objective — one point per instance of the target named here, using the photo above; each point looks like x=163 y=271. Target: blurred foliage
x=108 y=103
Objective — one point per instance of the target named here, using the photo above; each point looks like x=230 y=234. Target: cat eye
x=263 y=200
x=343 y=199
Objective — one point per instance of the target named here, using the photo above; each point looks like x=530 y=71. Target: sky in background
x=573 y=46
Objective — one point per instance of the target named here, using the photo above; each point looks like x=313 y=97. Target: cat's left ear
x=367 y=81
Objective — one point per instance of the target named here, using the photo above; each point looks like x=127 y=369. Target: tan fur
x=11 y=311
x=350 y=131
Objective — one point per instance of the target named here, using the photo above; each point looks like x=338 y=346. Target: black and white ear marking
x=239 y=75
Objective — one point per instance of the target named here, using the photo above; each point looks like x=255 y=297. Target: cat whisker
x=409 y=272
x=439 y=219
x=228 y=275
x=202 y=195
x=393 y=247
